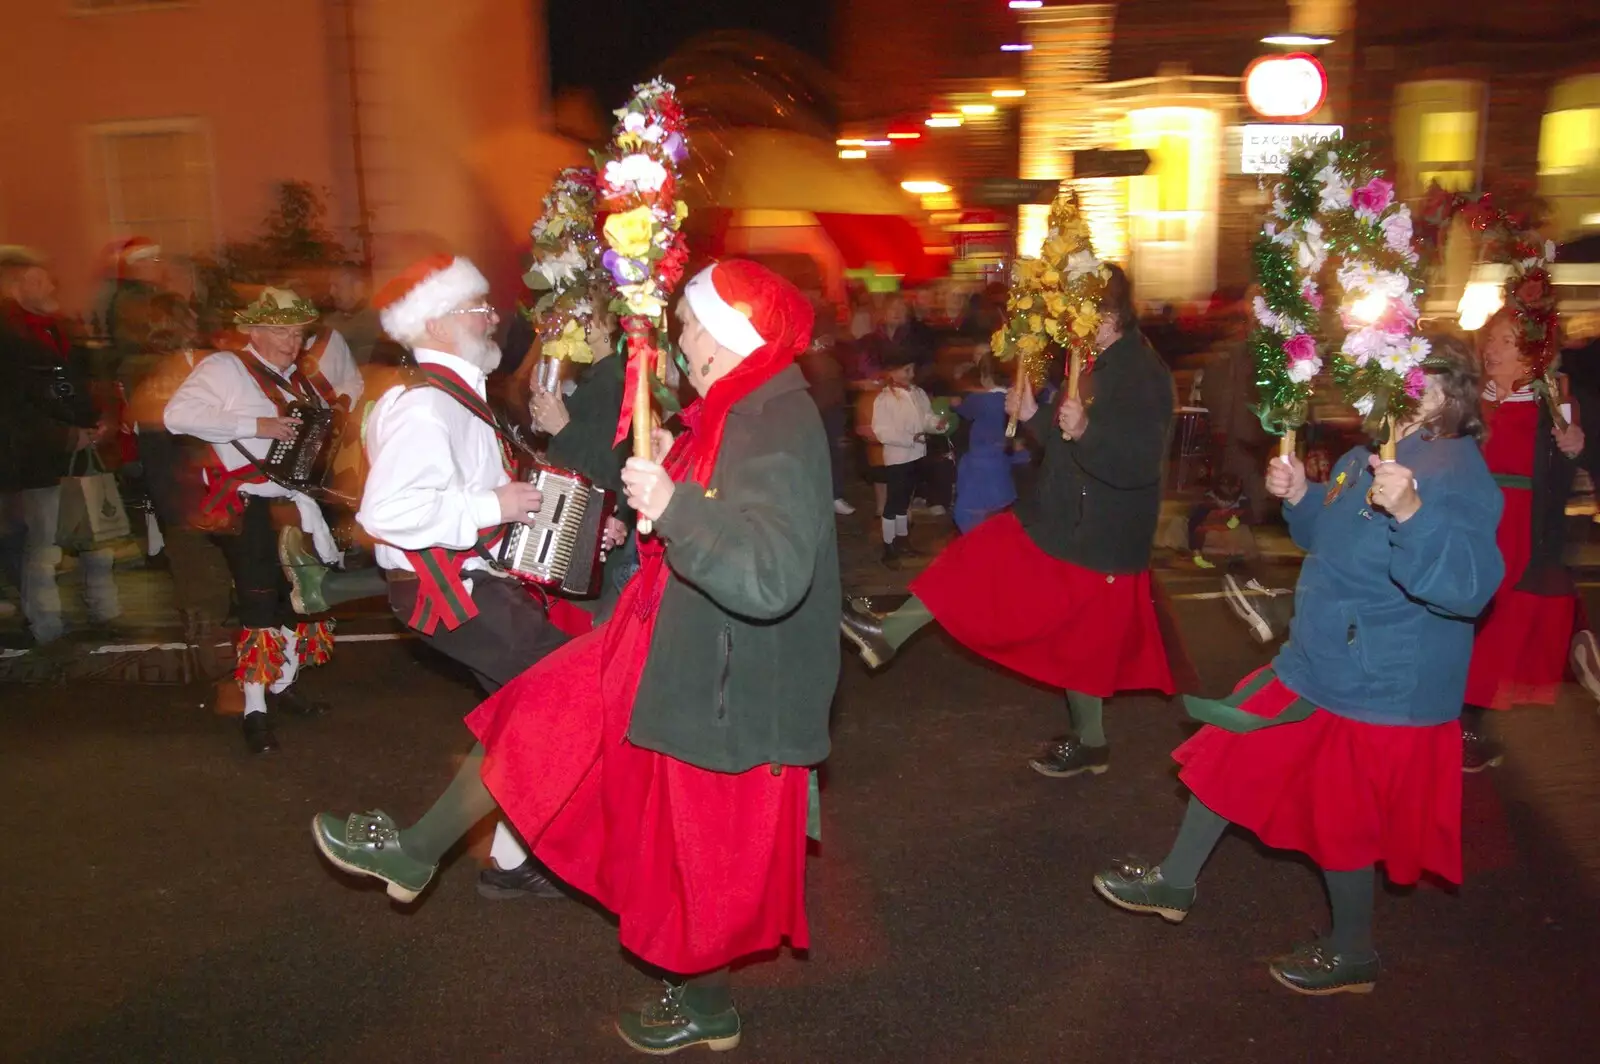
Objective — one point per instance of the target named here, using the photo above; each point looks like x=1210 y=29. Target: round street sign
x=1285 y=86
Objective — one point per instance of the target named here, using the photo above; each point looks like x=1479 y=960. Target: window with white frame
x=1569 y=155
x=1438 y=130
x=158 y=182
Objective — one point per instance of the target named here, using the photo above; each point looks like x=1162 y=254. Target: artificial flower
x=1416 y=382
x=623 y=269
x=1305 y=370
x=1372 y=198
x=571 y=343
x=1363 y=405
x=630 y=232
x=1312 y=295
x=635 y=173
x=1300 y=348
x=1080 y=263
x=644 y=299
x=558 y=270
x=1397 y=231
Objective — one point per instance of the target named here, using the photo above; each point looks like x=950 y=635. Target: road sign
x=1013 y=192
x=1099 y=163
x=1265 y=149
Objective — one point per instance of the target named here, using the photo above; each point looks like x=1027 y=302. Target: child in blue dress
x=984 y=485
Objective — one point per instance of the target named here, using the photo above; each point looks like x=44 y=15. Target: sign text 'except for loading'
x=1265 y=149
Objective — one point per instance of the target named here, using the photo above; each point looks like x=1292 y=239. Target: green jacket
x=1099 y=497
x=745 y=655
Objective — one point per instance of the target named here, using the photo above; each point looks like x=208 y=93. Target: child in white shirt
x=901 y=419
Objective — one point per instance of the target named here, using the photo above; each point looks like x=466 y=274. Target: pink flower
x=1300 y=348
x=1416 y=382
x=1373 y=197
x=1397 y=319
x=1311 y=295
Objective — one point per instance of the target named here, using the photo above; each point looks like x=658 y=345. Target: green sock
x=341 y=586
x=465 y=802
x=1197 y=837
x=1088 y=717
x=1351 y=895
x=905 y=622
x=708 y=994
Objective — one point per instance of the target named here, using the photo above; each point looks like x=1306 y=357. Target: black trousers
x=258 y=580
x=510 y=633
x=900 y=480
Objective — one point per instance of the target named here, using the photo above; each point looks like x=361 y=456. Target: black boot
x=865 y=633
x=891 y=556
x=258 y=735
x=527 y=880
x=903 y=547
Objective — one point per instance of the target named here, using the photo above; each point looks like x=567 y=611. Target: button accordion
x=560 y=549
x=304 y=463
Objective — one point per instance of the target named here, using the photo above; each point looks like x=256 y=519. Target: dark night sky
x=608 y=45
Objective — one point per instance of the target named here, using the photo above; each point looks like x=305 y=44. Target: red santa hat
x=739 y=303
x=427 y=289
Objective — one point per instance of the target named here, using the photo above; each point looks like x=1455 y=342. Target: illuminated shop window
x=1172 y=208
x=1569 y=155
x=1437 y=129
x=158 y=182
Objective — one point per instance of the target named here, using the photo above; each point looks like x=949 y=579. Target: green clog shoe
x=304 y=571
x=668 y=1024
x=1317 y=971
x=1140 y=889
x=368 y=844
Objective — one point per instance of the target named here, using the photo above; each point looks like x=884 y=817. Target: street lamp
x=925 y=188
x=1296 y=40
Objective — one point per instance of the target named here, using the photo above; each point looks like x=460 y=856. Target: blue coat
x=1384 y=611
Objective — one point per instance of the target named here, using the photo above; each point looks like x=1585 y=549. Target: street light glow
x=1296 y=40
x=853 y=153
x=944 y=122
x=1009 y=94
x=925 y=188
x=874 y=144
x=1016 y=47
x=849 y=142
x=1369 y=308
x=1024 y=5
x=908 y=135
x=977 y=108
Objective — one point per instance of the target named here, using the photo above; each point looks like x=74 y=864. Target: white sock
x=291 y=661
x=507 y=851
x=888 y=530
x=902 y=526
x=255 y=697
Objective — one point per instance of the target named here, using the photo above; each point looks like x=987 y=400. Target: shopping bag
x=91 y=513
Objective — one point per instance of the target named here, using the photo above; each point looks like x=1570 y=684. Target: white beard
x=481 y=352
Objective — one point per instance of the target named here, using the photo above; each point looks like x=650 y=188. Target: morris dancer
x=1344 y=748
x=239 y=402
x=1520 y=655
x=1064 y=595
x=665 y=769
x=440 y=490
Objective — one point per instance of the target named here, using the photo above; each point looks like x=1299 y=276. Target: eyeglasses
x=485 y=310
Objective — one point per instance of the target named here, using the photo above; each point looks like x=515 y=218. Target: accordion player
x=560 y=549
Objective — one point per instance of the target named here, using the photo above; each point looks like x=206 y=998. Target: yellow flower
x=643 y=299
x=1029 y=346
x=1053 y=327
x=1051 y=277
x=997 y=343
x=1056 y=304
x=1089 y=312
x=629 y=233
x=1025 y=302
x=1084 y=326
x=1035 y=323
x=682 y=210
x=572 y=344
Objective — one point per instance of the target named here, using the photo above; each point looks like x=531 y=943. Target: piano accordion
x=560 y=549
x=304 y=463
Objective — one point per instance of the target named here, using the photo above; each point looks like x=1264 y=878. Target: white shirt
x=339 y=366
x=220 y=402
x=899 y=415
x=434 y=468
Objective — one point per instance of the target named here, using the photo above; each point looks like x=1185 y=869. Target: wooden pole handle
x=1016 y=390
x=1286 y=445
x=1074 y=374
x=642 y=447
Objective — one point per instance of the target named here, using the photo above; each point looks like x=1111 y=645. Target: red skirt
x=1519 y=656
x=701 y=867
x=1345 y=793
x=1002 y=597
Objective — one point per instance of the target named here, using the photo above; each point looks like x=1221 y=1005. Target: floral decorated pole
x=566 y=274
x=1513 y=239
x=1339 y=277
x=646 y=250
x=1054 y=302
